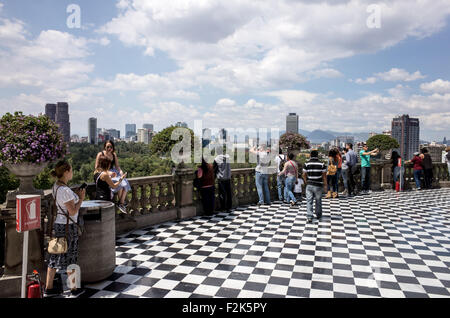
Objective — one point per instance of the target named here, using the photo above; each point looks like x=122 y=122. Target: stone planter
x=25 y=172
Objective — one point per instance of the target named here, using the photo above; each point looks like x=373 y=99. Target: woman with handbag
x=65 y=251
x=104 y=185
x=290 y=170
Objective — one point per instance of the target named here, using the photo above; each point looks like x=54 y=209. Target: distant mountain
x=319 y=136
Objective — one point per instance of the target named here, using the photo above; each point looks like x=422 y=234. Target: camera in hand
x=83 y=186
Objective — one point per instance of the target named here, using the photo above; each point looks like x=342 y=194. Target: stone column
x=386 y=175
x=184 y=188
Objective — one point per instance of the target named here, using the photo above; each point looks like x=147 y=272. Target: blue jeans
x=344 y=174
x=417 y=176
x=365 y=178
x=313 y=193
x=336 y=181
x=262 y=186
x=448 y=166
x=288 y=188
x=280 y=183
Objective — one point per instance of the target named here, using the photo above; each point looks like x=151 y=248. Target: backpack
x=332 y=169
x=282 y=163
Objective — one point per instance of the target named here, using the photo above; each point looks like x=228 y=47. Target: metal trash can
x=97 y=245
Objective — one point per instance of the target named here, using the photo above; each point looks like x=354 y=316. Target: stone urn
x=25 y=172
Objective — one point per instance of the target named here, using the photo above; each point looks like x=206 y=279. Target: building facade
x=292 y=123
x=92 y=131
x=406 y=131
x=62 y=119
x=50 y=111
x=130 y=130
x=148 y=126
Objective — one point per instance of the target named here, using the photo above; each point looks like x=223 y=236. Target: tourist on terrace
x=344 y=173
x=338 y=159
x=205 y=175
x=365 y=154
x=68 y=204
x=281 y=179
x=104 y=184
x=332 y=174
x=418 y=169
x=427 y=168
x=396 y=170
x=290 y=170
x=352 y=161
x=262 y=174
x=447 y=159
x=222 y=169
x=115 y=173
x=315 y=177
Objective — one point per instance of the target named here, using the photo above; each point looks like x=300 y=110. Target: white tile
x=105 y=294
x=250 y=294
x=318 y=293
x=345 y=288
x=234 y=283
x=206 y=290
x=300 y=283
x=136 y=290
x=276 y=289
x=177 y=294
x=166 y=284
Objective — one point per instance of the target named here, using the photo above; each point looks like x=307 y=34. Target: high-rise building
x=62 y=119
x=292 y=123
x=148 y=126
x=130 y=130
x=92 y=131
x=406 y=131
x=181 y=124
x=50 y=111
x=113 y=133
x=144 y=135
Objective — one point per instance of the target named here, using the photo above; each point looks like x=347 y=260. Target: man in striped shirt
x=315 y=177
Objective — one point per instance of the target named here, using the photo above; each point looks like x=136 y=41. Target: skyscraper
x=92 y=131
x=406 y=131
x=148 y=126
x=130 y=130
x=50 y=111
x=292 y=123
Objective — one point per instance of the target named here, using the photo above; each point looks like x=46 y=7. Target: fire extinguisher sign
x=28 y=213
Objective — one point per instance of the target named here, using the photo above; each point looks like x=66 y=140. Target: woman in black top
x=103 y=181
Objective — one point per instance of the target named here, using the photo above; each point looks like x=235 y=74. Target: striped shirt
x=314 y=172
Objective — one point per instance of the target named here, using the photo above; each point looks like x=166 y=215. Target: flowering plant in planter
x=29 y=139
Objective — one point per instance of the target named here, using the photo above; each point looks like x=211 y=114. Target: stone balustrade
x=157 y=199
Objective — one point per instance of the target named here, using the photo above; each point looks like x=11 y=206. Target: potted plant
x=28 y=144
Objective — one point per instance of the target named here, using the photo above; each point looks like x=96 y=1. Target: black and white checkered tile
x=385 y=244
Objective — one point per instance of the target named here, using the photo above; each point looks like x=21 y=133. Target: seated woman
x=104 y=184
x=115 y=172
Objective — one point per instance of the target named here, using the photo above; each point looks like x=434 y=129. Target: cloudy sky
x=337 y=63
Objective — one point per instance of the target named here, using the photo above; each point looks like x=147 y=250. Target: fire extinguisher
x=35 y=289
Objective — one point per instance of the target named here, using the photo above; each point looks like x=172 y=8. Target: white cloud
x=369 y=80
x=239 y=45
x=395 y=75
x=437 y=86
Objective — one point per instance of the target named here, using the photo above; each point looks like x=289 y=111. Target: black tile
x=140 y=271
x=321 y=285
x=201 y=271
x=239 y=276
x=114 y=276
x=407 y=279
x=344 y=295
x=175 y=276
x=268 y=295
x=156 y=293
x=343 y=280
x=298 y=292
x=116 y=287
x=213 y=281
x=415 y=295
x=362 y=290
x=388 y=285
x=304 y=276
x=323 y=271
x=165 y=267
x=436 y=290
x=279 y=281
x=227 y=292
x=147 y=281
x=186 y=287
x=255 y=286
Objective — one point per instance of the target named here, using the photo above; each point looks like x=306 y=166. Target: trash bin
x=96 y=247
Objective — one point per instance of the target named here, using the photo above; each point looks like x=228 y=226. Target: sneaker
x=51 y=293
x=344 y=193
x=292 y=203
x=122 y=208
x=75 y=293
x=369 y=192
x=309 y=220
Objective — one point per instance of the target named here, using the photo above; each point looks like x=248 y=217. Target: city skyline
x=248 y=67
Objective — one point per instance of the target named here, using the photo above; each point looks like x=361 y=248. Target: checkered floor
x=385 y=244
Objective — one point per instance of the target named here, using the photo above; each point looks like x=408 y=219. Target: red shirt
x=417 y=161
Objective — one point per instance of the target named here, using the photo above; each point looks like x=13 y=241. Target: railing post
x=184 y=190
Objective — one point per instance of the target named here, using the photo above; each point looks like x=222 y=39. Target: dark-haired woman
x=109 y=151
x=68 y=204
x=205 y=173
x=290 y=170
x=104 y=184
x=332 y=174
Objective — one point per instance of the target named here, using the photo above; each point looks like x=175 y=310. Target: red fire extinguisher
x=35 y=289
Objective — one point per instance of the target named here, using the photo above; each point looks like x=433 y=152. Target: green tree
x=382 y=142
x=162 y=142
x=293 y=141
x=7 y=182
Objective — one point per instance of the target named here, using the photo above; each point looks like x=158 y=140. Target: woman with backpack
x=332 y=174
x=290 y=170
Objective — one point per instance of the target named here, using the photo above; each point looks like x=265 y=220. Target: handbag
x=332 y=169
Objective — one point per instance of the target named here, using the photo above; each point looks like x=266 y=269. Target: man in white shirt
x=262 y=172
